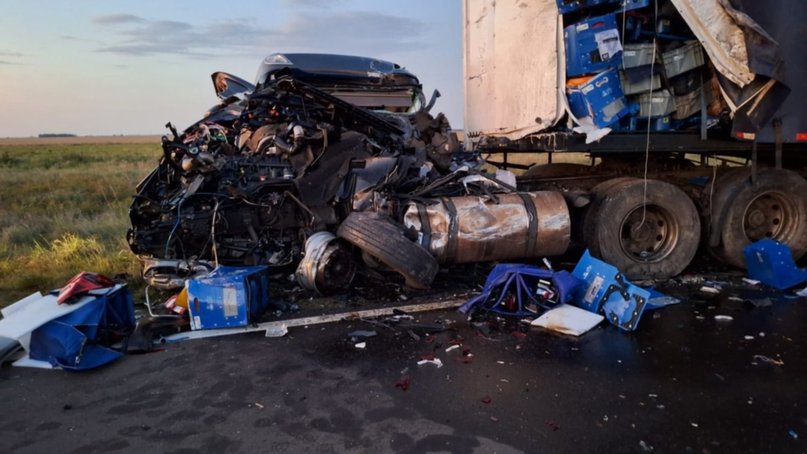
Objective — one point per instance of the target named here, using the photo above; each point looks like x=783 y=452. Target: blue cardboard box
x=228 y=297
x=605 y=290
x=577 y=103
x=602 y=97
x=771 y=262
x=569 y=6
x=592 y=46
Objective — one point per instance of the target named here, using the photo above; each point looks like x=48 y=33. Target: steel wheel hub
x=649 y=235
x=770 y=215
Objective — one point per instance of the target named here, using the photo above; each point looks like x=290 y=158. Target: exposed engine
x=250 y=182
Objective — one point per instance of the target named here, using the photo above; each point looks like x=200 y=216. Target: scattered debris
x=644 y=446
x=760 y=302
x=403 y=383
x=772 y=263
x=361 y=334
x=260 y=406
x=453 y=347
x=522 y=290
x=793 y=434
x=436 y=361
x=277 y=330
x=723 y=318
x=767 y=360
x=606 y=290
x=750 y=281
x=567 y=319
x=75 y=336
x=710 y=290
x=486 y=400
x=361 y=345
x=274 y=326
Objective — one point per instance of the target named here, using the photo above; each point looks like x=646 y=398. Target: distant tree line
x=46 y=135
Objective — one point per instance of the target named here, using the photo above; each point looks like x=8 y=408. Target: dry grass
x=63 y=209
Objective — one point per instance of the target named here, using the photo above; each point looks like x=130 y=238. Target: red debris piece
x=552 y=425
x=427 y=357
x=403 y=383
x=519 y=335
x=81 y=284
x=486 y=400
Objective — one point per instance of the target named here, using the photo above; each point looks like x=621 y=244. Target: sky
x=105 y=67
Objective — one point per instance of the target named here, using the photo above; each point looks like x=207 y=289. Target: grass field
x=63 y=209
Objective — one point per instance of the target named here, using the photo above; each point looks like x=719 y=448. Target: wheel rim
x=650 y=234
x=770 y=215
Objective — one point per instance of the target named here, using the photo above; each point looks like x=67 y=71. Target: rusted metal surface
x=504 y=227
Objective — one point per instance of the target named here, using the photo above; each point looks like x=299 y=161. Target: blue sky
x=94 y=67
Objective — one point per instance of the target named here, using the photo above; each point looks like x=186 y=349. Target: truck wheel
x=652 y=242
x=379 y=237
x=773 y=207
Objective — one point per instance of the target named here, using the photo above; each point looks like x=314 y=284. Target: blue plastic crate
x=570 y=6
x=602 y=97
x=608 y=292
x=657 y=124
x=228 y=297
x=771 y=262
x=590 y=44
x=628 y=5
x=577 y=103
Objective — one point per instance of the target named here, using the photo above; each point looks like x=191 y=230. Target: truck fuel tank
x=495 y=227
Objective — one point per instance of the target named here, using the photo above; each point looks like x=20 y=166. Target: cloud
x=113 y=19
x=10 y=54
x=369 y=32
x=3 y=62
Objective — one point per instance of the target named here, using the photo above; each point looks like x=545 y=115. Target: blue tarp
x=75 y=341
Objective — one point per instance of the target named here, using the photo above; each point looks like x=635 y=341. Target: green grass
x=63 y=210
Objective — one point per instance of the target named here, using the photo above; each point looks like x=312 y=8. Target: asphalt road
x=683 y=382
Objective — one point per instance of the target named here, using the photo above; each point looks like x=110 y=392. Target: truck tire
x=775 y=207
x=653 y=243
x=379 y=237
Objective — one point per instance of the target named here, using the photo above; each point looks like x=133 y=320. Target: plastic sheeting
x=720 y=36
x=75 y=341
x=511 y=67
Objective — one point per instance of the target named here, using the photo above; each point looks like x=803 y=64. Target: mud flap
x=608 y=292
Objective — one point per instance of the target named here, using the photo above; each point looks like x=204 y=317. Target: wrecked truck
x=325 y=164
x=675 y=126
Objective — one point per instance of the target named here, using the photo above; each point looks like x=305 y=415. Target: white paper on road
x=567 y=319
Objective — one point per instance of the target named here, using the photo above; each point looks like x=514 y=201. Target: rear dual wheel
x=743 y=211
x=648 y=232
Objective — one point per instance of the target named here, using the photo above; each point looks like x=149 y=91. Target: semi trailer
x=671 y=126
